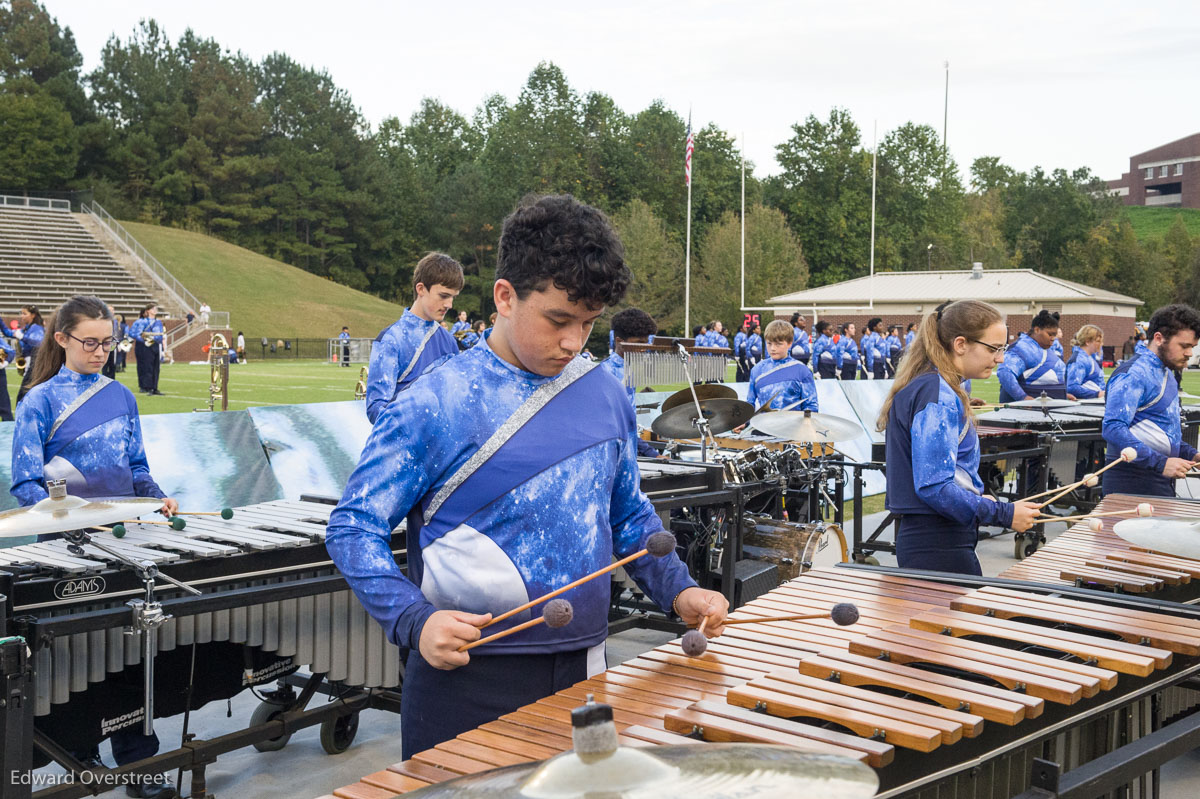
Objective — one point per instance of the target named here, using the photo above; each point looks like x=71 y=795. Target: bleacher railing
x=39 y=203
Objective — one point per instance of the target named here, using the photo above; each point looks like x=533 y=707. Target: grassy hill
x=264 y=296
x=1153 y=223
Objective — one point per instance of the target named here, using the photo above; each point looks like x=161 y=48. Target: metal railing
x=38 y=203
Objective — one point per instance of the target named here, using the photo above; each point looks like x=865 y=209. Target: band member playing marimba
x=1085 y=378
x=79 y=425
x=781 y=381
x=515 y=466
x=1031 y=367
x=631 y=326
x=1141 y=408
x=933 y=480
x=414 y=342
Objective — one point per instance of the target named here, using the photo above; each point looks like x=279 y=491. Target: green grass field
x=265 y=297
x=1153 y=223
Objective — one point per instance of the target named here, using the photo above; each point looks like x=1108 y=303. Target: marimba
x=945 y=690
x=1104 y=561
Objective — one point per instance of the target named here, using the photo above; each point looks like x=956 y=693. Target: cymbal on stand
x=59 y=514
x=722 y=415
x=703 y=391
x=806 y=427
x=1169 y=535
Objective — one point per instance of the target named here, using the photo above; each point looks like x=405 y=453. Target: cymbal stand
x=701 y=421
x=148 y=613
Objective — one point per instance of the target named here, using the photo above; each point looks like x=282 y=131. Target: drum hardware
x=360 y=388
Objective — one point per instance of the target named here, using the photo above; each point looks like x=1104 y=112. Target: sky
x=1047 y=83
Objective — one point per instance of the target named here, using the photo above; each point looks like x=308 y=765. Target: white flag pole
x=687 y=268
x=743 y=219
x=874 y=173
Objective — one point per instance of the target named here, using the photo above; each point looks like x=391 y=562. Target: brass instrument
x=360 y=388
x=21 y=363
x=218 y=364
x=126 y=344
x=148 y=337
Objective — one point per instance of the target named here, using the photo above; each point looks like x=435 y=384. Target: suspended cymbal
x=804 y=427
x=703 y=391
x=702 y=771
x=72 y=513
x=1040 y=404
x=722 y=414
x=1169 y=535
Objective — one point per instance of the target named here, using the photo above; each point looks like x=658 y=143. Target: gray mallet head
x=844 y=613
x=558 y=613
x=660 y=544
x=694 y=643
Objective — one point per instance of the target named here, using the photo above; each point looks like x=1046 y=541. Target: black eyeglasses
x=992 y=348
x=90 y=344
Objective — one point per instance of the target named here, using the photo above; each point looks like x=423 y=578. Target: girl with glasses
x=933 y=483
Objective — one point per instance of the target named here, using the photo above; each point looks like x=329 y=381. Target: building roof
x=996 y=285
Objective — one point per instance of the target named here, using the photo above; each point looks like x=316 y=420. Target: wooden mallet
x=224 y=513
x=1091 y=479
x=695 y=643
x=175 y=522
x=1143 y=509
x=659 y=545
x=557 y=613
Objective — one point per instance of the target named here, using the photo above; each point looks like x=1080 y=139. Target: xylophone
x=945 y=690
x=1104 y=561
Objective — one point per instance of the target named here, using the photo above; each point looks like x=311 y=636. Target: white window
x=1178 y=169
x=1162 y=171
x=1150 y=173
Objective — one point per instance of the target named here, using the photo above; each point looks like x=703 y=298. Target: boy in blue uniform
x=75 y=424
x=515 y=466
x=1085 y=377
x=933 y=483
x=403 y=351
x=1031 y=367
x=1141 y=408
x=781 y=382
x=632 y=326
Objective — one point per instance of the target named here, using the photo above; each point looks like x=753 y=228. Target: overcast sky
x=1056 y=84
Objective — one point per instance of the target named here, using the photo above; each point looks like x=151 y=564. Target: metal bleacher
x=46 y=256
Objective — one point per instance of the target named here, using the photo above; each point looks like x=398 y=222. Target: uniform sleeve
x=33 y=336
x=1007 y=374
x=634 y=520
x=1120 y=405
x=7 y=350
x=934 y=448
x=868 y=351
x=752 y=389
x=1078 y=372
x=382 y=373
x=808 y=391
x=30 y=432
x=391 y=476
x=645 y=449
x=135 y=450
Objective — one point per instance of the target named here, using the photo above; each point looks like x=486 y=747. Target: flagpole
x=874 y=173
x=743 y=219
x=687 y=264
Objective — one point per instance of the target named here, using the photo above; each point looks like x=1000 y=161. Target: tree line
x=272 y=155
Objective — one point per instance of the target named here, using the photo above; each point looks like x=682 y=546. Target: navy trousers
x=849 y=370
x=826 y=370
x=936 y=543
x=437 y=705
x=6 y=414
x=878 y=370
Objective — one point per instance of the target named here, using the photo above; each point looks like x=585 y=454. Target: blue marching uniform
x=909 y=338
x=754 y=349
x=402 y=352
x=6 y=414
x=1085 y=378
x=849 y=349
x=787 y=383
x=612 y=341
x=1029 y=369
x=85 y=429
x=933 y=483
x=1056 y=347
x=892 y=345
x=149 y=361
x=716 y=339
x=1141 y=410
x=31 y=338
x=513 y=485
x=739 y=355
x=457 y=326
x=470 y=340
x=873 y=357
x=615 y=366
x=828 y=354
x=801 y=348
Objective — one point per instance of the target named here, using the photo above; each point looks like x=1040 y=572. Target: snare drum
x=750 y=465
x=793 y=547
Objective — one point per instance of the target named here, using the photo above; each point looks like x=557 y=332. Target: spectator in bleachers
x=30 y=334
x=204 y=312
x=191 y=317
x=241 y=347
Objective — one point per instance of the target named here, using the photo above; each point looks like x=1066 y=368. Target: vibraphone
x=1102 y=560
x=946 y=690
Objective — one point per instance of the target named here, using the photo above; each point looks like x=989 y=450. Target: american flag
x=687 y=156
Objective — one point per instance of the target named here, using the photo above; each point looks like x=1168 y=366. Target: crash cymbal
x=722 y=414
x=73 y=513
x=1040 y=404
x=703 y=391
x=702 y=771
x=1168 y=535
x=805 y=427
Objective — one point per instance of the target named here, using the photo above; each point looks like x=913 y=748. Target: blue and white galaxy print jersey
x=145 y=324
x=107 y=460
x=801 y=348
x=786 y=382
x=826 y=350
x=1030 y=369
x=849 y=350
x=1085 y=378
x=933 y=457
x=1141 y=410
x=392 y=353
x=31 y=338
x=554 y=525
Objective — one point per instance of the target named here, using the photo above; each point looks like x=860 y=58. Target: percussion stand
x=701 y=421
x=147 y=613
x=16 y=705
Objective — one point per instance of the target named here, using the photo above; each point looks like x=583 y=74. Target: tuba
x=360 y=388
x=218 y=370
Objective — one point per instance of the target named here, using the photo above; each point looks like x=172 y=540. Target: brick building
x=903 y=297
x=1168 y=176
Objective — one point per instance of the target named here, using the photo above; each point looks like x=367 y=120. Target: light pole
x=929 y=257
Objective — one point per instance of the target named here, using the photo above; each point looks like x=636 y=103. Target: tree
x=987 y=173
x=38 y=145
x=656 y=258
x=1044 y=213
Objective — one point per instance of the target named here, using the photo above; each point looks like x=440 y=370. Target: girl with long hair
x=30 y=335
x=933 y=483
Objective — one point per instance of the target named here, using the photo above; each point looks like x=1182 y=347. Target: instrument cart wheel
x=869 y=560
x=337 y=734
x=1024 y=545
x=264 y=713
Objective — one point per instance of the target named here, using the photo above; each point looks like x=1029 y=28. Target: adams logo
x=80 y=586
